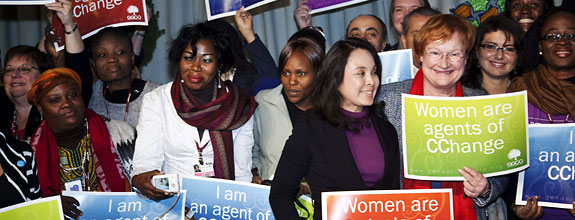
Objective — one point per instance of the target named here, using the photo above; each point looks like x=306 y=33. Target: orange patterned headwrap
x=49 y=79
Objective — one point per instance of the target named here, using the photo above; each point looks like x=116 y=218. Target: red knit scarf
x=108 y=167
x=230 y=109
x=463 y=207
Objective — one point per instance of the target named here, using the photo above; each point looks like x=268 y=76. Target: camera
x=167 y=182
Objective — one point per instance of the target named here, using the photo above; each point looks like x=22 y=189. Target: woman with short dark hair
x=493 y=61
x=116 y=95
x=347 y=144
x=23 y=64
x=281 y=107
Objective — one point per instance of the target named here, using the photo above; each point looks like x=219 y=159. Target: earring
x=182 y=81
x=219 y=78
x=540 y=53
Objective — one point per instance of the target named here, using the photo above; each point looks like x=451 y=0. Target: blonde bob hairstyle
x=442 y=27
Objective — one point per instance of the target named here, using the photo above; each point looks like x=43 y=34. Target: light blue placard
x=212 y=198
x=551 y=174
x=127 y=205
x=396 y=66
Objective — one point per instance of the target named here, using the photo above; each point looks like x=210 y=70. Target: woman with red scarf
x=75 y=148
x=197 y=120
x=443 y=45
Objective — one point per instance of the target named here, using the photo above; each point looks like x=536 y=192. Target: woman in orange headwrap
x=73 y=145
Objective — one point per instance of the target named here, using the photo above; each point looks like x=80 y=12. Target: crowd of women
x=319 y=121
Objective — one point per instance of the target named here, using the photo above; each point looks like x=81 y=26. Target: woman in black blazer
x=347 y=144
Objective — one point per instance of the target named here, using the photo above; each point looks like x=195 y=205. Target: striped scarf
x=228 y=110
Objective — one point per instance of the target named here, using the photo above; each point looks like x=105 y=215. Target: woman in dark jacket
x=347 y=144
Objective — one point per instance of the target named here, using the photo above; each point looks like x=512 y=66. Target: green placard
x=443 y=134
x=41 y=209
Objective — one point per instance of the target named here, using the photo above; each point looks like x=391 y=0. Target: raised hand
x=244 y=22
x=302 y=14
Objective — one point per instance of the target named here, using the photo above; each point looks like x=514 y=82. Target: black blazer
x=320 y=152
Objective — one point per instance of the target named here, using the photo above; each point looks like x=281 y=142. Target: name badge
x=206 y=170
x=74 y=185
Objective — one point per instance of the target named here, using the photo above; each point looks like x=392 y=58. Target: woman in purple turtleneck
x=348 y=144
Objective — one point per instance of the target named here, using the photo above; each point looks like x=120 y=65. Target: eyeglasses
x=22 y=70
x=557 y=37
x=454 y=56
x=490 y=48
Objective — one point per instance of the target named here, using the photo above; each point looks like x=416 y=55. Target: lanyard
x=86 y=178
x=200 y=150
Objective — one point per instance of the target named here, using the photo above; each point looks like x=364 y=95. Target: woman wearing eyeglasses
x=23 y=65
x=443 y=44
x=494 y=57
x=550 y=86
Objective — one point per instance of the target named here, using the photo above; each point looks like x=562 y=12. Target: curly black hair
x=191 y=34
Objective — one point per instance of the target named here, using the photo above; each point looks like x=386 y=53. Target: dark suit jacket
x=320 y=152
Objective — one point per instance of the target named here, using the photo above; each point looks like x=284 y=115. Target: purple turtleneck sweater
x=366 y=150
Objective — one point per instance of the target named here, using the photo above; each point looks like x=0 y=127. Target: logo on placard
x=132 y=9
x=75 y=188
x=513 y=155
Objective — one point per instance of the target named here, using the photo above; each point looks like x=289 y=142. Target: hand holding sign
x=63 y=9
x=475 y=183
x=531 y=210
x=91 y=16
x=70 y=207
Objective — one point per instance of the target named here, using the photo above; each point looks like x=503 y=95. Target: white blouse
x=168 y=144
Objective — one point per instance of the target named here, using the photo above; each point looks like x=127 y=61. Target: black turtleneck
x=120 y=96
x=204 y=96
x=295 y=113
